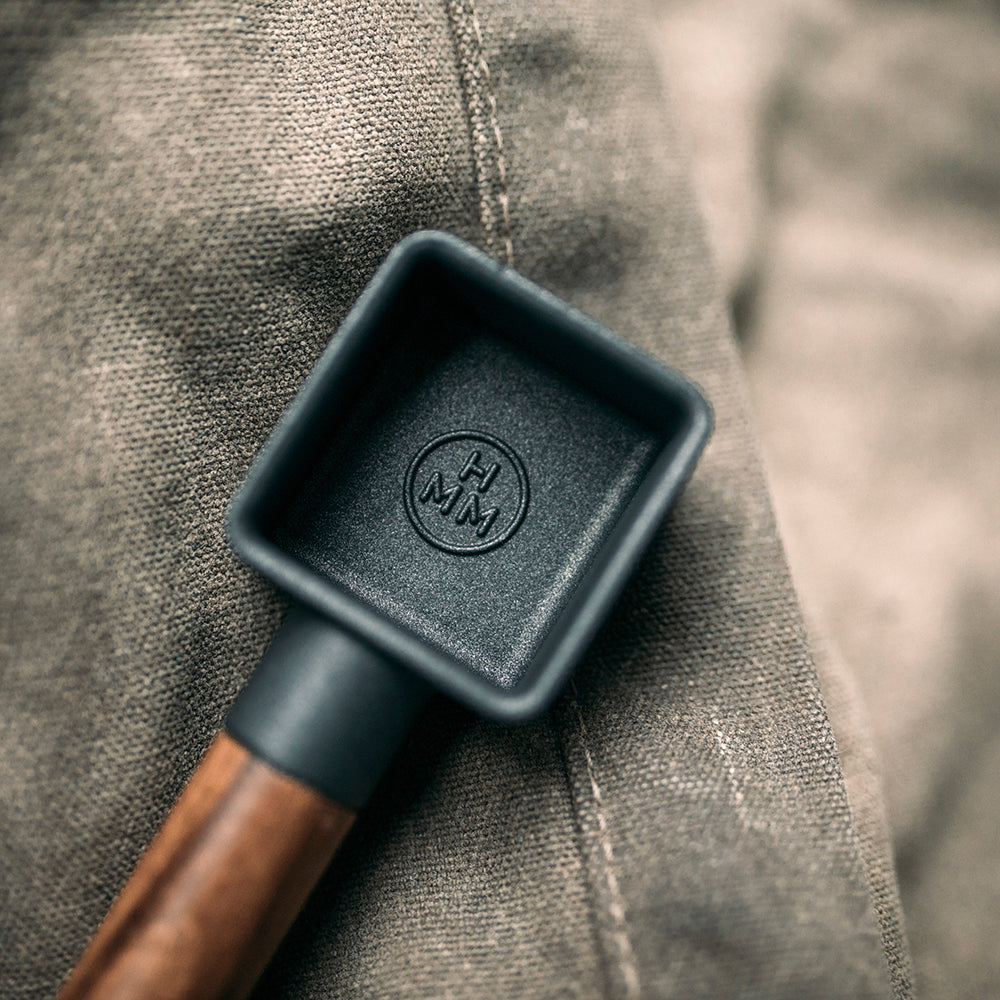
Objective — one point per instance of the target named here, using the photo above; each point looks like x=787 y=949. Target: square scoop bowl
x=469 y=476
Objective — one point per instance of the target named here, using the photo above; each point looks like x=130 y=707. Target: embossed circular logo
x=466 y=492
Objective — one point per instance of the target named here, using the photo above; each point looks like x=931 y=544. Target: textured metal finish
x=490 y=609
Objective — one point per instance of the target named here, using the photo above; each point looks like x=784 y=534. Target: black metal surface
x=326 y=709
x=580 y=463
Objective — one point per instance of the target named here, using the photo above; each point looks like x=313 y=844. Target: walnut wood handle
x=218 y=888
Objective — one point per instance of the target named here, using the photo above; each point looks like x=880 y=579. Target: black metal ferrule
x=326 y=708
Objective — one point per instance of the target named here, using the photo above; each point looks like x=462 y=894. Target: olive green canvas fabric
x=192 y=195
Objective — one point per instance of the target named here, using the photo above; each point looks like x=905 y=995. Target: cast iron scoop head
x=469 y=476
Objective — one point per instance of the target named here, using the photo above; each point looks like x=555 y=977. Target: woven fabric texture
x=192 y=196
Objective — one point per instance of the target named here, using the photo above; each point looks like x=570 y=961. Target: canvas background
x=192 y=195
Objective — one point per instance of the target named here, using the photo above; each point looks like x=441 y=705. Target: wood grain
x=218 y=888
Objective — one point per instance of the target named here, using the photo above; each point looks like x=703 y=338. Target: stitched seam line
x=484 y=122
x=495 y=124
x=616 y=905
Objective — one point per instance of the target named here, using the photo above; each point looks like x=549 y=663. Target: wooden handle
x=218 y=888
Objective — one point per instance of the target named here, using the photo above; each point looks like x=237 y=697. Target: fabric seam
x=484 y=122
x=616 y=900
x=502 y=196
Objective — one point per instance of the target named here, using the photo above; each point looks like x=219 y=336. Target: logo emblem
x=466 y=492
